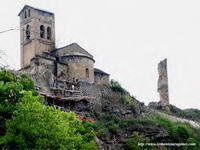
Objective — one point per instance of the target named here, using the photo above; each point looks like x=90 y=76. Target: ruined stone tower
x=163 y=83
x=37 y=33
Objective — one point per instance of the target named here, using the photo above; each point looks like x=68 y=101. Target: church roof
x=27 y=6
x=72 y=49
x=100 y=71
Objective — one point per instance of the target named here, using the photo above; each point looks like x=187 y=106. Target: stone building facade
x=37 y=33
x=38 y=53
x=101 y=77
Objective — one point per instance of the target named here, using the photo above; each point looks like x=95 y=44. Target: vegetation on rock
x=154 y=129
x=193 y=114
x=133 y=142
x=126 y=98
x=116 y=86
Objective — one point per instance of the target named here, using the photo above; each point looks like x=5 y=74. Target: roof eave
x=98 y=71
x=22 y=10
x=65 y=56
x=55 y=50
x=35 y=9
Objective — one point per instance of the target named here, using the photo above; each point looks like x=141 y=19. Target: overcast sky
x=128 y=38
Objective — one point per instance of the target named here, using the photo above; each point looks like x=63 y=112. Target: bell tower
x=37 y=33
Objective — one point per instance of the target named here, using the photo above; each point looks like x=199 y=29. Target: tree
x=29 y=124
x=36 y=126
x=11 y=90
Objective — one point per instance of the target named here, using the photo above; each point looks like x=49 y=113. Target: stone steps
x=66 y=93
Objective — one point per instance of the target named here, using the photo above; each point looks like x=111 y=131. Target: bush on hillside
x=126 y=99
x=116 y=86
x=193 y=114
x=133 y=142
x=179 y=132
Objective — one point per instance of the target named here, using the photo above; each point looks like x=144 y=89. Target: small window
x=28 y=33
x=48 y=33
x=25 y=14
x=67 y=68
x=29 y=13
x=42 y=31
x=87 y=72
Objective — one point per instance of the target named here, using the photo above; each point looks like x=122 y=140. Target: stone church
x=65 y=72
x=66 y=76
x=70 y=62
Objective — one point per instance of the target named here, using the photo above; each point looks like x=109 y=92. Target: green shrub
x=126 y=99
x=132 y=143
x=107 y=123
x=116 y=86
x=193 y=114
x=6 y=76
x=113 y=127
x=27 y=82
x=182 y=132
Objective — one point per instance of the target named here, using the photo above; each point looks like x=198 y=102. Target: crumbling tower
x=163 y=83
x=37 y=33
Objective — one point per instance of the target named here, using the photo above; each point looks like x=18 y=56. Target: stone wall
x=163 y=83
x=62 y=71
x=101 y=79
x=36 y=44
x=41 y=70
x=27 y=53
x=77 y=68
x=103 y=96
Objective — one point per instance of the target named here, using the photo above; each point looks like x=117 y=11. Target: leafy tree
x=36 y=126
x=11 y=90
x=27 y=82
x=26 y=123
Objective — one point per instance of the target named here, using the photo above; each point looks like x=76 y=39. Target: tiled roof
x=100 y=71
x=73 y=46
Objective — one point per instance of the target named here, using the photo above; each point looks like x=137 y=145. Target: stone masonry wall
x=77 y=68
x=163 y=83
x=35 y=45
x=41 y=70
x=101 y=79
